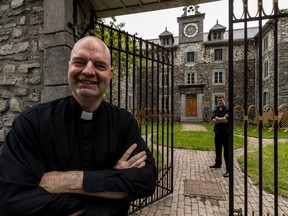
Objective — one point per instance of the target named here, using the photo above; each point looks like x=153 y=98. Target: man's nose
x=89 y=68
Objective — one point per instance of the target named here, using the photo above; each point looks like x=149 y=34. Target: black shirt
x=53 y=137
x=221 y=112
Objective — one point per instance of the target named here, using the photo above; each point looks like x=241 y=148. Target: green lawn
x=268 y=168
x=204 y=140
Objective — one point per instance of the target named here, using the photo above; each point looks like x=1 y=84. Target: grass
x=196 y=140
x=204 y=140
x=252 y=131
x=268 y=168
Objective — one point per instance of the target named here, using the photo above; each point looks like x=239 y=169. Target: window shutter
x=195 y=56
x=225 y=54
x=185 y=56
x=212 y=55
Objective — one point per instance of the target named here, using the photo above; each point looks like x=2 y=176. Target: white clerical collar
x=86 y=115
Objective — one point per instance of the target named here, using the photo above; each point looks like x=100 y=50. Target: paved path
x=191 y=164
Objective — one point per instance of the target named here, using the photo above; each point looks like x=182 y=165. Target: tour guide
x=77 y=155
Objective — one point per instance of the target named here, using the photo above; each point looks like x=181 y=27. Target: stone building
x=201 y=65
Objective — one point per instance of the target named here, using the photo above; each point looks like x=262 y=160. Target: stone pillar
x=57 y=42
x=35 y=45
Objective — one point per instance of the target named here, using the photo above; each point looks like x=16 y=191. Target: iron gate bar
x=143 y=99
x=260 y=134
x=231 y=105
x=246 y=17
x=276 y=113
x=245 y=114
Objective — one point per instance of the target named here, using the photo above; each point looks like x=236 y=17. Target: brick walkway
x=191 y=164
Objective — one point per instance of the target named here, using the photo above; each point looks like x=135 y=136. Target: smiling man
x=77 y=155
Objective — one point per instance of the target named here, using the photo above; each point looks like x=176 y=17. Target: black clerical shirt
x=53 y=137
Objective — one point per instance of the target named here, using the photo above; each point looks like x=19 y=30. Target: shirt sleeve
x=21 y=168
x=138 y=182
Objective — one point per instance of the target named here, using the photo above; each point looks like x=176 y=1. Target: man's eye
x=79 y=63
x=101 y=67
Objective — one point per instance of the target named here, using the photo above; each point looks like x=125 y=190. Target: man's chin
x=87 y=94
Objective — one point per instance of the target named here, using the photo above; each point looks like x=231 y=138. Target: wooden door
x=191 y=105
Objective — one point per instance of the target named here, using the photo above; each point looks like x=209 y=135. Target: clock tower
x=191 y=25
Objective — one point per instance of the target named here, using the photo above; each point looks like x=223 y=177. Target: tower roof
x=166 y=33
x=218 y=26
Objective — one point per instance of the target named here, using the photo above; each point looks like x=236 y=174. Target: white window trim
x=186 y=77
x=265 y=49
x=223 y=78
x=263 y=69
x=268 y=97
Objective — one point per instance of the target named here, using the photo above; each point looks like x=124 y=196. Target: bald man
x=77 y=155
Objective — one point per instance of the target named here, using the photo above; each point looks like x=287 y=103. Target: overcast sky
x=150 y=25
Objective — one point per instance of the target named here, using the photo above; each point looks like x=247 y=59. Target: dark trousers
x=222 y=139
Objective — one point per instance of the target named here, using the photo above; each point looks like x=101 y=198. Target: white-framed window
x=265 y=97
x=265 y=43
x=218 y=54
x=265 y=69
x=166 y=41
x=190 y=78
x=217 y=35
x=130 y=102
x=218 y=77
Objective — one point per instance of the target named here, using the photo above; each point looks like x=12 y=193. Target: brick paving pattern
x=191 y=164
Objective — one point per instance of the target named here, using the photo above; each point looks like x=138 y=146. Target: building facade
x=202 y=69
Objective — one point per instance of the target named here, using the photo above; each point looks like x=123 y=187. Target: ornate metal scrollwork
x=246 y=13
x=268 y=118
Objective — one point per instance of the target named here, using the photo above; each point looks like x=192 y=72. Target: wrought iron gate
x=143 y=84
x=268 y=113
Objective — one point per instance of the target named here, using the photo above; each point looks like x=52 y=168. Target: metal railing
x=266 y=113
x=143 y=84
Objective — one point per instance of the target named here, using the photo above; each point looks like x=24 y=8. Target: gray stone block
x=56 y=65
x=50 y=93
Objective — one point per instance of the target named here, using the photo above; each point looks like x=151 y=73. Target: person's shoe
x=215 y=166
x=226 y=174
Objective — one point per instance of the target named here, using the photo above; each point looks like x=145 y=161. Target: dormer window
x=217 y=32
x=217 y=35
x=166 y=38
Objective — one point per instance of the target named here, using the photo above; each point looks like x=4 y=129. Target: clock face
x=190 y=30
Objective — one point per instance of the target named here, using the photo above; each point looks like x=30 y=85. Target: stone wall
x=21 y=58
x=35 y=45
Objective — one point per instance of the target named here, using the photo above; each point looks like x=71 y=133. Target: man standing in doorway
x=220 y=118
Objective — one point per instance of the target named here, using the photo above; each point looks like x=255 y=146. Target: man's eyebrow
x=77 y=58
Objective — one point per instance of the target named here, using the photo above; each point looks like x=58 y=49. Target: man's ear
x=111 y=73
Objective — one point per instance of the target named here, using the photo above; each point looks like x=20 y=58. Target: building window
x=265 y=98
x=190 y=56
x=164 y=80
x=164 y=101
x=218 y=77
x=265 y=43
x=218 y=55
x=265 y=69
x=130 y=102
x=190 y=78
x=217 y=35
